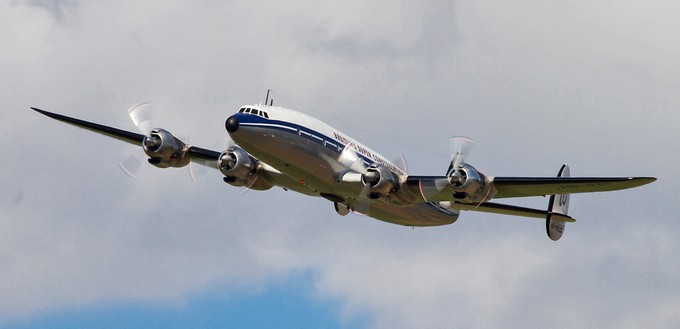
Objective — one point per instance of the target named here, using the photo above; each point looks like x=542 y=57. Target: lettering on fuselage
x=363 y=151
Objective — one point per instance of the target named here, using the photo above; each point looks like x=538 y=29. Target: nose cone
x=231 y=124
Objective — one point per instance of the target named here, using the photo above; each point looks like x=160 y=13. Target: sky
x=534 y=83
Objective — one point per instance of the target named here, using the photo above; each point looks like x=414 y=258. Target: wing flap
x=511 y=187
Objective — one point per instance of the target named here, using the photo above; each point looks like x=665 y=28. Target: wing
x=437 y=188
x=126 y=136
x=262 y=178
x=197 y=154
x=510 y=187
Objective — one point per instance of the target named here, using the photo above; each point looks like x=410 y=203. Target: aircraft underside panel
x=421 y=214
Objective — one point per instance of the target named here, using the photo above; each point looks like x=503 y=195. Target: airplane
x=276 y=146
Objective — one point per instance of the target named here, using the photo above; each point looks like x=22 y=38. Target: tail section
x=557 y=210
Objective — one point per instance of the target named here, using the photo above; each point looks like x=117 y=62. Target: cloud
x=535 y=84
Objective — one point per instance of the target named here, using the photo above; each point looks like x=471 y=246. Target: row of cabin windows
x=254 y=111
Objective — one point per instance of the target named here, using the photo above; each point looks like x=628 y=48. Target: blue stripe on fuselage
x=251 y=120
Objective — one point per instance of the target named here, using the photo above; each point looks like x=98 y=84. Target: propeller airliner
x=276 y=146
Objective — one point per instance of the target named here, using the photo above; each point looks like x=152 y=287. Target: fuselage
x=306 y=150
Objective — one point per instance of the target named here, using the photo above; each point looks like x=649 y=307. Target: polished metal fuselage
x=305 y=151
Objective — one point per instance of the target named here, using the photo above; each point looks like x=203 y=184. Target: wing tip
x=642 y=180
x=45 y=113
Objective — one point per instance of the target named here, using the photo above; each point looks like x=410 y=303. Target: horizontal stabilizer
x=497 y=208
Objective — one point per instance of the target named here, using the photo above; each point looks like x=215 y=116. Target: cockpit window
x=253 y=111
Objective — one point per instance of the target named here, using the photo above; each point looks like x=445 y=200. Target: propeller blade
x=131 y=165
x=460 y=149
x=141 y=117
x=351 y=160
x=401 y=163
x=191 y=167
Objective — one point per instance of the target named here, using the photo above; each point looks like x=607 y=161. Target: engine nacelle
x=240 y=169
x=165 y=150
x=380 y=179
x=235 y=162
x=469 y=185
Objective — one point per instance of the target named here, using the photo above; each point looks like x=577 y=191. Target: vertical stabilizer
x=558 y=205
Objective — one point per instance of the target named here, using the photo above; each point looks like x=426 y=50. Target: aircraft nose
x=231 y=124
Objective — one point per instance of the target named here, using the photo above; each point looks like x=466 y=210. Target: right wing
x=196 y=154
x=123 y=135
x=262 y=178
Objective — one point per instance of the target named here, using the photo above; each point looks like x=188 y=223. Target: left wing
x=437 y=188
x=469 y=189
x=511 y=187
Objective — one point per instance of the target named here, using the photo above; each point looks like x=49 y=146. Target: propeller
x=191 y=165
x=141 y=117
x=460 y=149
x=131 y=164
x=400 y=163
x=349 y=158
